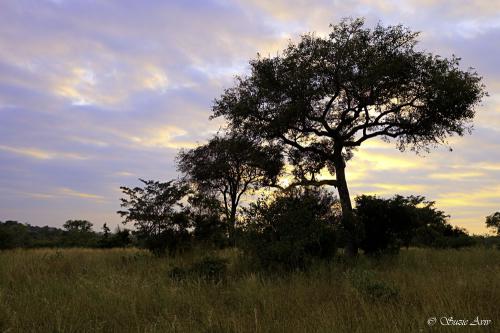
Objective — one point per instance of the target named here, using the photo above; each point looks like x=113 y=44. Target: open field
x=84 y=290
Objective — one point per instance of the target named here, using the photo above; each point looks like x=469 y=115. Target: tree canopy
x=154 y=210
x=493 y=221
x=324 y=96
x=230 y=166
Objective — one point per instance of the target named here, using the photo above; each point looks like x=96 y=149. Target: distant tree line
x=75 y=233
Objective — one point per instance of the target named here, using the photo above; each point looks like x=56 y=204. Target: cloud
x=42 y=154
x=72 y=193
x=164 y=137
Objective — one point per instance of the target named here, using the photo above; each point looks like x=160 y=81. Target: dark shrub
x=371 y=287
x=442 y=236
x=291 y=230
x=158 y=215
x=207 y=222
x=388 y=224
x=209 y=268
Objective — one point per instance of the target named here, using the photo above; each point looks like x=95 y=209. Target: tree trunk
x=348 y=220
x=232 y=221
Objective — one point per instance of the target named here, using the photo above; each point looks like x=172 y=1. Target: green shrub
x=209 y=268
x=370 y=287
x=292 y=230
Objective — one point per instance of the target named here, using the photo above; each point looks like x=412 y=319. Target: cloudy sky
x=96 y=93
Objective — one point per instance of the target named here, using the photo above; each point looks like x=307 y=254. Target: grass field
x=127 y=290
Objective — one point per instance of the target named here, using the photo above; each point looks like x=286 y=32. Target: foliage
x=493 y=221
x=155 y=211
x=120 y=238
x=371 y=287
x=388 y=224
x=205 y=213
x=78 y=226
x=13 y=234
x=323 y=97
x=208 y=268
x=291 y=230
x=230 y=166
x=18 y=235
x=79 y=233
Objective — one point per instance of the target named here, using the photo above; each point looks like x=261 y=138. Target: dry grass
x=83 y=290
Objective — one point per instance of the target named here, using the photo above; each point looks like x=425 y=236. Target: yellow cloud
x=155 y=78
x=456 y=175
x=41 y=154
x=124 y=174
x=64 y=191
x=388 y=188
x=384 y=161
x=164 y=137
x=484 y=197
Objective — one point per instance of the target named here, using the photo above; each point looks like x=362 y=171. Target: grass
x=127 y=290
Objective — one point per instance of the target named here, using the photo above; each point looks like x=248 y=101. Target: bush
x=370 y=287
x=209 y=268
x=388 y=224
x=292 y=230
x=442 y=236
x=205 y=213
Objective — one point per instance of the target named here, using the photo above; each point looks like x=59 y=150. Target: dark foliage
x=207 y=222
x=77 y=234
x=292 y=230
x=208 y=268
x=371 y=287
x=388 y=224
x=229 y=167
x=493 y=222
x=120 y=238
x=156 y=211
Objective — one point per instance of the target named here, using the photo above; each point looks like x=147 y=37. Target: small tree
x=323 y=97
x=493 y=221
x=106 y=231
x=79 y=233
x=78 y=226
x=230 y=166
x=155 y=210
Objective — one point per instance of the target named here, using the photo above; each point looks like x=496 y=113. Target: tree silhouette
x=230 y=166
x=493 y=221
x=323 y=97
x=154 y=210
x=78 y=226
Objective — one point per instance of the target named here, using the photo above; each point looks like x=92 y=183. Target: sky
x=95 y=94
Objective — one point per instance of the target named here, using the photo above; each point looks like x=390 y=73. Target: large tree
x=230 y=166
x=324 y=96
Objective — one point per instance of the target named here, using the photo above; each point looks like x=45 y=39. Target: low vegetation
x=130 y=290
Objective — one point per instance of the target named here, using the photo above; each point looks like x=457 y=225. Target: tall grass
x=127 y=290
